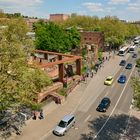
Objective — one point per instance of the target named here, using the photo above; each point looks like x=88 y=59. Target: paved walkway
x=39 y=129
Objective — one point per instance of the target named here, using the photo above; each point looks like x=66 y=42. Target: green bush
x=62 y=92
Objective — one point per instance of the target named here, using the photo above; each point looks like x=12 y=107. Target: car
x=129 y=66
x=122 y=79
x=104 y=104
x=64 y=125
x=134 y=55
x=109 y=80
x=123 y=62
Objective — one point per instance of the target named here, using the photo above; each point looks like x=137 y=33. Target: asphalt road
x=91 y=124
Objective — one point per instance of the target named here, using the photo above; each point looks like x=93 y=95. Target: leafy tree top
x=19 y=83
x=52 y=37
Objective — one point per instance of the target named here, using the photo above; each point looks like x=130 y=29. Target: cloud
x=118 y=1
x=134 y=7
x=21 y=2
x=94 y=7
x=25 y=7
x=110 y=9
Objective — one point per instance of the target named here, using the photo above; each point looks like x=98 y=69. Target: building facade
x=30 y=21
x=92 y=41
x=58 y=17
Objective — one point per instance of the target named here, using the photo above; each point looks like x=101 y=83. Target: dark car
x=122 y=63
x=134 y=55
x=122 y=79
x=104 y=104
x=129 y=66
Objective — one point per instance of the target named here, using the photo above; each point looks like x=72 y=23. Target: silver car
x=64 y=125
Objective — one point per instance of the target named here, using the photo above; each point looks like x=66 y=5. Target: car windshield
x=104 y=101
x=62 y=124
x=122 y=77
x=109 y=78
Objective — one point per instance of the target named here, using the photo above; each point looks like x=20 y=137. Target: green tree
x=52 y=37
x=19 y=83
x=74 y=38
x=136 y=88
x=116 y=32
x=135 y=82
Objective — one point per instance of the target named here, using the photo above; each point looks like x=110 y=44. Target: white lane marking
x=46 y=135
x=113 y=85
x=87 y=118
x=106 y=93
x=115 y=105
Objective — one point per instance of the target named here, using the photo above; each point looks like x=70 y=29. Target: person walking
x=92 y=71
x=41 y=116
x=34 y=115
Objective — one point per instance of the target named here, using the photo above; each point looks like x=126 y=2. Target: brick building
x=92 y=41
x=58 y=17
x=30 y=21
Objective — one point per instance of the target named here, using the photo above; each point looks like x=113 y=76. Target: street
x=111 y=125
x=82 y=102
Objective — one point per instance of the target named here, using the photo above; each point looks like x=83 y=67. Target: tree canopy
x=19 y=83
x=116 y=31
x=136 y=85
x=52 y=37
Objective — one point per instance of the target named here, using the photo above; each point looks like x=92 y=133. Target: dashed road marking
x=106 y=93
x=113 y=85
x=87 y=118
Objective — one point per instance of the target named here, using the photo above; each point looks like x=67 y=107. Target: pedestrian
x=103 y=60
x=106 y=57
x=96 y=69
x=92 y=73
x=84 y=78
x=41 y=116
x=34 y=115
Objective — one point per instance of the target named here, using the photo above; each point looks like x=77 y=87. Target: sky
x=124 y=9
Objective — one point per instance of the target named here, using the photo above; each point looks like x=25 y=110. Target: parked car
x=103 y=105
x=134 y=55
x=109 y=80
x=122 y=79
x=129 y=66
x=123 y=62
x=64 y=125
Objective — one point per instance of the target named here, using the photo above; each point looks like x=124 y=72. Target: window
x=70 y=120
x=62 y=124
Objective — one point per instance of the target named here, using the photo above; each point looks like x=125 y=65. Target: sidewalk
x=81 y=95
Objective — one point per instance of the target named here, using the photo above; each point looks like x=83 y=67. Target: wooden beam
x=59 y=62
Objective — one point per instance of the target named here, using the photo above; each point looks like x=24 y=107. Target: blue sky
x=123 y=9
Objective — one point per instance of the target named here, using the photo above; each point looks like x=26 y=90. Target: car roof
x=67 y=117
x=122 y=75
x=123 y=60
x=105 y=98
x=109 y=77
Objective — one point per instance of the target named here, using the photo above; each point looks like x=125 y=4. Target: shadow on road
x=117 y=128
